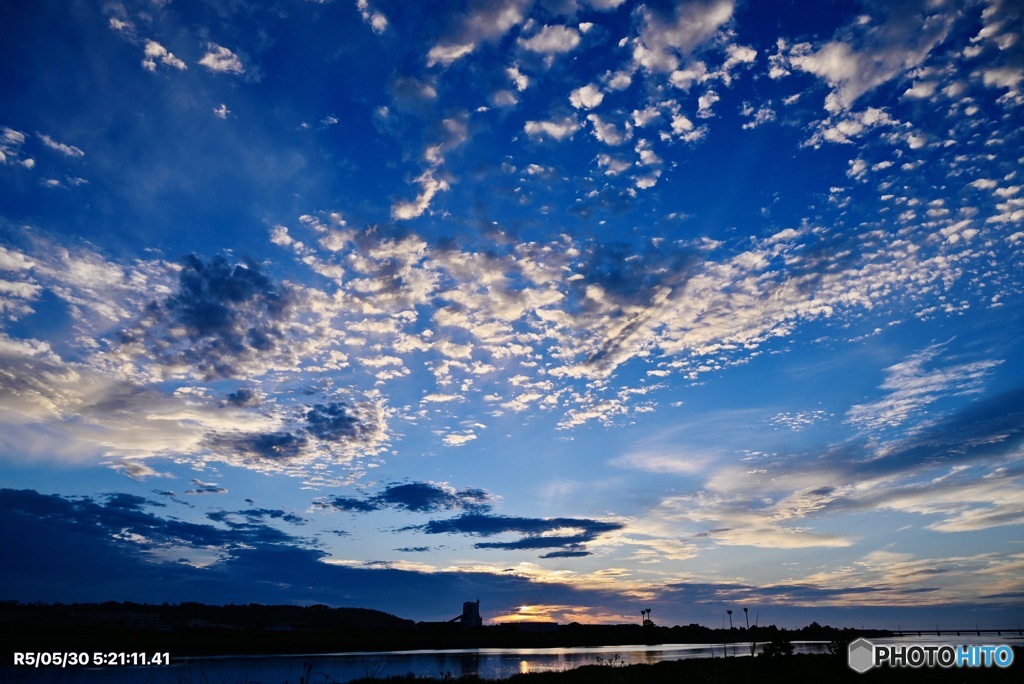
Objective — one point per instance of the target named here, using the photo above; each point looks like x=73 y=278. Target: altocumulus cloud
x=225 y=320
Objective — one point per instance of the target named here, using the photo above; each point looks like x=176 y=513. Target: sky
x=578 y=307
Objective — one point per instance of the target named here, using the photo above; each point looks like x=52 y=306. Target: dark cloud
x=538 y=533
x=129 y=502
x=567 y=554
x=206 y=488
x=425 y=497
x=488 y=525
x=268 y=446
x=243 y=397
x=333 y=422
x=215 y=295
x=223 y=317
x=125 y=514
x=419 y=497
x=254 y=514
x=344 y=503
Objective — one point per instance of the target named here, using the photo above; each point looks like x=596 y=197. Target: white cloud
x=552 y=40
x=663 y=39
x=440 y=398
x=521 y=81
x=1004 y=77
x=586 y=97
x=607 y=132
x=604 y=5
x=11 y=142
x=694 y=72
x=874 y=50
x=704 y=104
x=430 y=185
x=155 y=51
x=377 y=21
x=762 y=115
x=458 y=439
x=67 y=150
x=848 y=126
x=219 y=59
x=911 y=386
x=483 y=22
x=921 y=90
x=563 y=127
x=612 y=165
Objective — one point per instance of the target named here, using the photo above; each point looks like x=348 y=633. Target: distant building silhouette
x=470 y=617
x=471 y=614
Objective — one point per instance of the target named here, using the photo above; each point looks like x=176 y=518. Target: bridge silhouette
x=899 y=631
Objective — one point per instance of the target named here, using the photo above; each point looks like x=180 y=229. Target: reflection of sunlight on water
x=524 y=667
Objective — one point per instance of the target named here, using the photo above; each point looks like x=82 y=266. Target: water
x=487 y=663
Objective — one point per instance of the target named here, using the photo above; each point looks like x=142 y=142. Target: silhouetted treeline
x=197 y=629
x=174 y=615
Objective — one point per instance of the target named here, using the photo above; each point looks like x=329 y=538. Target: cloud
x=665 y=37
x=958 y=473
x=121 y=526
x=374 y=18
x=607 y=132
x=271 y=447
x=586 y=97
x=430 y=185
x=219 y=59
x=485 y=20
x=67 y=150
x=552 y=40
x=570 y=534
x=11 y=142
x=335 y=432
x=122 y=549
x=593 y=307
x=200 y=487
x=886 y=46
x=558 y=129
x=416 y=497
x=912 y=387
x=452 y=131
x=231 y=557
x=155 y=51
x=224 y=320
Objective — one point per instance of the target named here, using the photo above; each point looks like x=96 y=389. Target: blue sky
x=578 y=307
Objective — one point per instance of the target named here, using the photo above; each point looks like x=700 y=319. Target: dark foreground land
x=817 y=669
x=197 y=630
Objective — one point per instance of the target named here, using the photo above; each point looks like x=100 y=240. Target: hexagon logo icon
x=861 y=656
